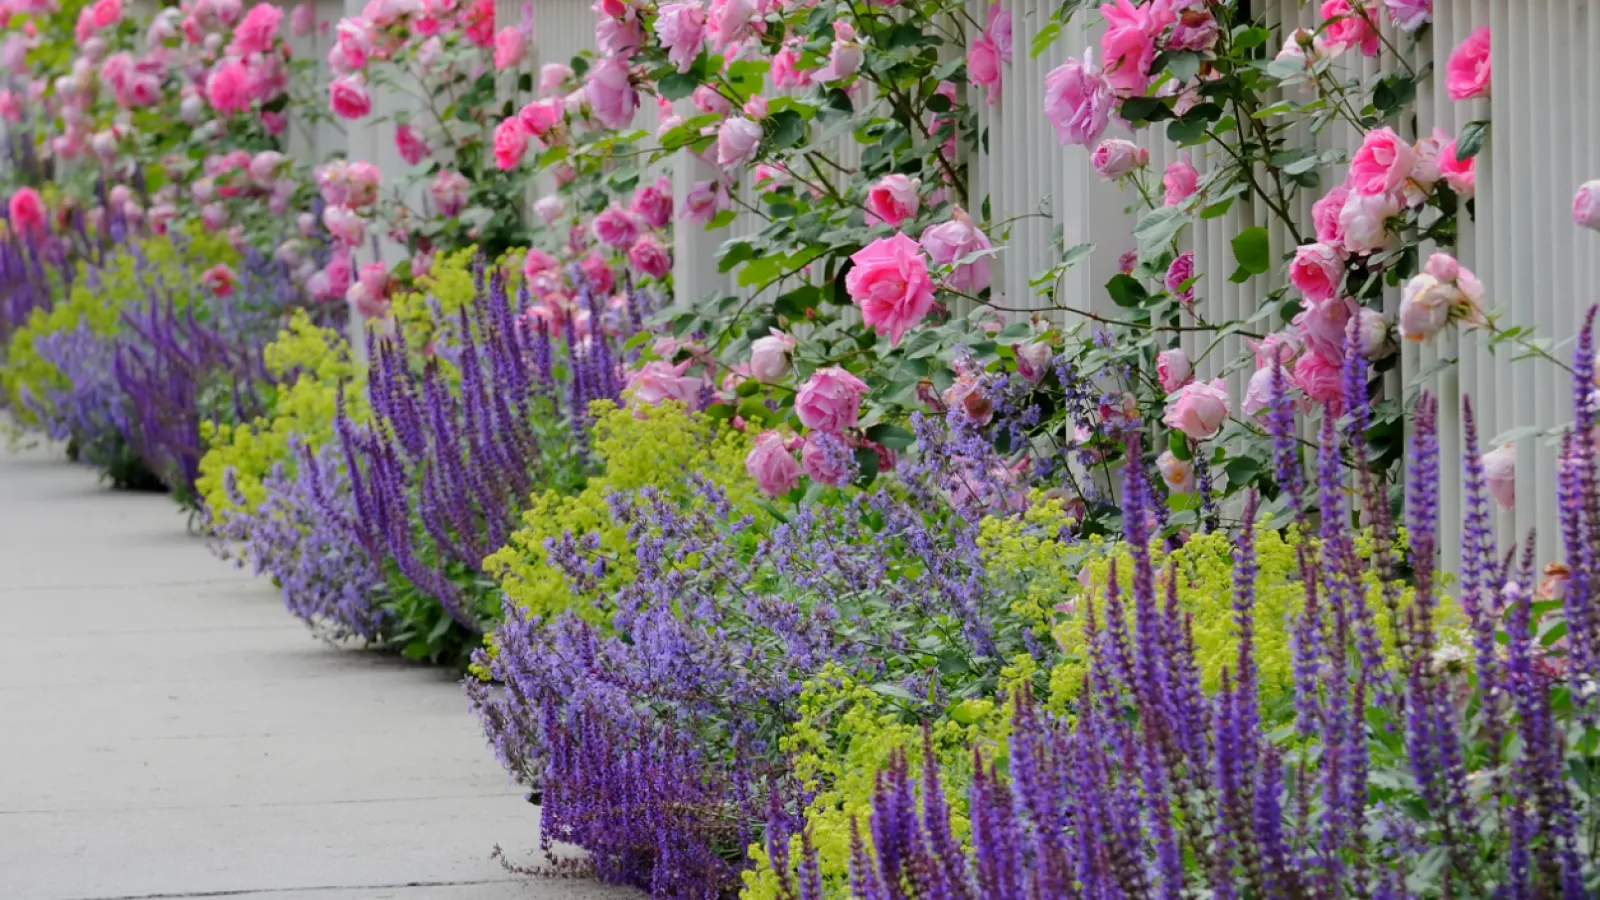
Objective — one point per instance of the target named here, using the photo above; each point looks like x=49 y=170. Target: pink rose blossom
x=708 y=99
x=1280 y=346
x=345 y=225
x=756 y=108
x=106 y=13
x=265 y=167
x=737 y=141
x=543 y=118
x=1195 y=30
x=653 y=203
x=363 y=179
x=510 y=143
x=890 y=284
x=1348 y=25
x=894 y=199
x=1586 y=205
x=352 y=41
x=1320 y=379
x=681 y=27
x=729 y=21
x=1466 y=75
x=348 y=97
x=1033 y=360
x=969 y=398
x=830 y=400
x=1180 y=272
x=1181 y=181
x=213 y=216
x=303 y=20
x=649 y=256
x=1317 y=270
x=1198 y=409
x=1364 y=222
x=1258 y=393
x=552 y=76
x=1383 y=163
x=615 y=227
x=1500 y=475
x=229 y=87
x=1129 y=44
x=1178 y=474
x=769 y=357
x=1373 y=332
x=829 y=465
x=413 y=149
x=658 y=381
x=1077 y=101
x=549 y=209
x=369 y=296
x=1444 y=291
x=1000 y=29
x=1115 y=158
x=219 y=280
x=449 y=193
x=619 y=38
x=785 y=68
x=844 y=57
x=536 y=261
x=611 y=93
x=957 y=239
x=1173 y=369
x=598 y=273
x=983 y=65
x=509 y=46
x=256 y=31
x=1325 y=215
x=27 y=211
x=1460 y=174
x=1409 y=15
x=772 y=465
x=704 y=200
x=1322 y=325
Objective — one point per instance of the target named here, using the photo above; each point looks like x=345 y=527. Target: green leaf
x=1179 y=445
x=1182 y=66
x=1042 y=41
x=785 y=129
x=867 y=461
x=1159 y=226
x=892 y=436
x=1473 y=134
x=676 y=86
x=1186 y=132
x=1125 y=290
x=1074 y=255
x=1250 y=249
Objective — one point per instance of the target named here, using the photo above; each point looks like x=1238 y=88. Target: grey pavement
x=168 y=730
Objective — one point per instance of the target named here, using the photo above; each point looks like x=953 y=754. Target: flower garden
x=864 y=580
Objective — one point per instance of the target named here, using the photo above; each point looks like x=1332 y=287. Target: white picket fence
x=1539 y=269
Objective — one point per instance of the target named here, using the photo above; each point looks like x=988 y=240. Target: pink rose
x=707 y=99
x=1115 y=158
x=1322 y=324
x=1373 y=333
x=894 y=199
x=213 y=216
x=1258 y=393
x=265 y=167
x=769 y=357
x=772 y=465
x=1317 y=270
x=1173 y=369
x=729 y=21
x=536 y=261
x=704 y=200
x=1320 y=379
x=1177 y=473
x=1348 y=26
x=1383 y=163
x=653 y=203
x=256 y=31
x=1409 y=15
x=552 y=76
x=1460 y=174
x=1280 y=346
x=1179 y=275
x=1325 y=215
x=1033 y=360
x=597 y=273
x=827 y=460
x=106 y=13
x=548 y=208
x=647 y=255
x=890 y=284
x=345 y=225
x=449 y=193
x=369 y=296
x=681 y=28
x=219 y=280
x=844 y=57
x=1129 y=44
x=737 y=141
x=409 y=142
x=1198 y=409
x=968 y=397
x=510 y=143
x=1500 y=474
x=229 y=87
x=659 y=381
x=1586 y=205
x=1181 y=180
x=303 y=20
x=1000 y=29
x=830 y=400
x=611 y=93
x=616 y=228
x=1444 y=291
x=1195 y=30
x=756 y=108
x=983 y=65
x=509 y=46
x=1466 y=75
x=1364 y=221
x=363 y=178
x=27 y=211
x=785 y=68
x=348 y=97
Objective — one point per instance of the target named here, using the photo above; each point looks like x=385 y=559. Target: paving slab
x=167 y=730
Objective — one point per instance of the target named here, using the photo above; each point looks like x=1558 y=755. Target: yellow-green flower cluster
x=655 y=446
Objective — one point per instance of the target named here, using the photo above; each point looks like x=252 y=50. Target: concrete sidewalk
x=168 y=730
